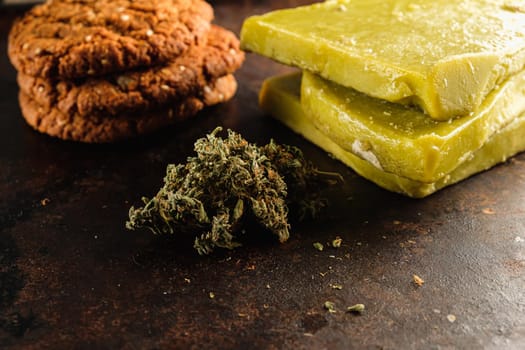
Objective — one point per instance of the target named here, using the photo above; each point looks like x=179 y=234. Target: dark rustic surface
x=71 y=276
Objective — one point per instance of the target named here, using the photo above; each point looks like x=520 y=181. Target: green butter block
x=401 y=139
x=280 y=97
x=443 y=55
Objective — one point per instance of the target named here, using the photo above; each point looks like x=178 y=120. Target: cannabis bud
x=228 y=181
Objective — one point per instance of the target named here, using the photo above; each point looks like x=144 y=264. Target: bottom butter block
x=280 y=97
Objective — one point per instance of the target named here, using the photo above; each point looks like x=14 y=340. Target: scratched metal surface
x=71 y=276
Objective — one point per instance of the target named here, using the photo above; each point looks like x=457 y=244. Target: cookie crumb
x=489 y=211
x=418 y=280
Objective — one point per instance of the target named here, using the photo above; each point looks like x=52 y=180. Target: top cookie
x=80 y=38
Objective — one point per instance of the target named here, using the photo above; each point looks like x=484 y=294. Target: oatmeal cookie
x=79 y=38
x=140 y=90
x=99 y=129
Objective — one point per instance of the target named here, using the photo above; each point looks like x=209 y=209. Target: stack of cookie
x=103 y=71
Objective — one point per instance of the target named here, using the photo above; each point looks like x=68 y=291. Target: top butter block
x=80 y=38
x=445 y=56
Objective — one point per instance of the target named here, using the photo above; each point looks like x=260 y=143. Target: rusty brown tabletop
x=72 y=276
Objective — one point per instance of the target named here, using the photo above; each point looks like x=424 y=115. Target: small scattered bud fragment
x=329 y=306
x=318 y=246
x=336 y=243
x=357 y=308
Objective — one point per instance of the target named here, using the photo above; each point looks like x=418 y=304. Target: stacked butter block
x=413 y=95
x=103 y=71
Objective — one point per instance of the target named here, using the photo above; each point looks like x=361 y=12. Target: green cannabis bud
x=226 y=182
